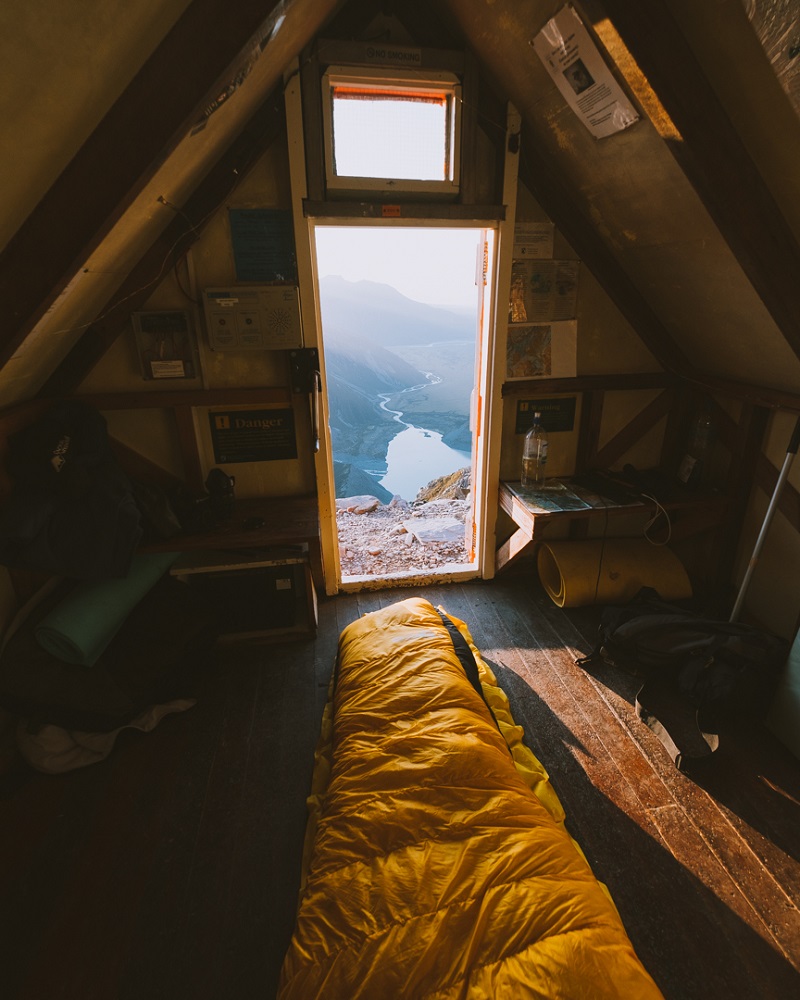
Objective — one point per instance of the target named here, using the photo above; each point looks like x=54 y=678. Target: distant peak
x=365 y=290
x=336 y=281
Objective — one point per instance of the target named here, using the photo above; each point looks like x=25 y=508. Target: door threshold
x=454 y=574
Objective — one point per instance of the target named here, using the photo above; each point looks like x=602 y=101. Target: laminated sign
x=574 y=62
x=252 y=435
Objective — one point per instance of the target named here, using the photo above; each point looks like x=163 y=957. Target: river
x=415 y=455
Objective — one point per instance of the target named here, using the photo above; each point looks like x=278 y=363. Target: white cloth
x=53 y=749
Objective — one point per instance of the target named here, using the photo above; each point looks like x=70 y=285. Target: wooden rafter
x=146 y=122
x=173 y=243
x=711 y=154
x=644 y=421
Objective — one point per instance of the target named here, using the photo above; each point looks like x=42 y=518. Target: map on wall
x=543 y=290
x=546 y=350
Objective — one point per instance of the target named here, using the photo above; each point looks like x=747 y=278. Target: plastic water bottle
x=534 y=454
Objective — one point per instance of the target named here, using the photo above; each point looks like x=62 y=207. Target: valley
x=392 y=362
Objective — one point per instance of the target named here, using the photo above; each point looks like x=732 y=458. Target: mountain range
x=389 y=316
x=361 y=323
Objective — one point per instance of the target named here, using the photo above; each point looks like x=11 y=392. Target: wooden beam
x=713 y=157
x=758 y=395
x=187 y=436
x=430 y=24
x=745 y=442
x=176 y=398
x=209 y=44
x=313 y=129
x=789 y=499
x=393 y=207
x=331 y=52
x=138 y=467
x=634 y=430
x=168 y=249
x=763 y=472
x=469 y=131
x=589 y=433
x=590 y=383
x=774 y=399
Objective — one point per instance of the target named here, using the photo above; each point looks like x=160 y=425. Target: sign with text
x=587 y=84
x=557 y=414
x=392 y=55
x=252 y=435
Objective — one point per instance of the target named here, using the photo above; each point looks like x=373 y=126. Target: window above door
x=391 y=130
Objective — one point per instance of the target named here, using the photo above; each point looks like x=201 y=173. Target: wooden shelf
x=294 y=569
x=691 y=513
x=285 y=521
x=260 y=533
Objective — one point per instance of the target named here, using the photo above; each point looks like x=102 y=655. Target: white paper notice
x=533 y=240
x=542 y=290
x=579 y=72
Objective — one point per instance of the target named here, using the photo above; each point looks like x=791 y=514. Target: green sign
x=557 y=414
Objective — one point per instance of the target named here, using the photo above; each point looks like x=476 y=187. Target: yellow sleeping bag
x=436 y=867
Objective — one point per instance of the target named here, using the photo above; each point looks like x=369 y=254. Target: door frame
x=489 y=418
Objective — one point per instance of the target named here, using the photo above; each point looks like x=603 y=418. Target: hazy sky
x=436 y=266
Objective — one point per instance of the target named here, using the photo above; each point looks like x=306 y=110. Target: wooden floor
x=170 y=870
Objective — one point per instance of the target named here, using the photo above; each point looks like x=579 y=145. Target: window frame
x=438 y=82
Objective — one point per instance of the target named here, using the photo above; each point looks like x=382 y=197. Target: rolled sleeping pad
x=80 y=627
x=577 y=572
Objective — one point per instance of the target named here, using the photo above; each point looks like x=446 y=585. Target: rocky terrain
x=397 y=538
x=387 y=354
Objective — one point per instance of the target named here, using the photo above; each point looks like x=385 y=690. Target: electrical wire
x=179 y=282
x=602 y=550
x=660 y=512
x=162 y=271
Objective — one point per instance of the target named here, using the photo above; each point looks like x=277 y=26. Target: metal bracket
x=304 y=369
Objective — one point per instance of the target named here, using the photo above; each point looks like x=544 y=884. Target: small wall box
x=253 y=318
x=258 y=597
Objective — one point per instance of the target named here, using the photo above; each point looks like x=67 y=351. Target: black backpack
x=699 y=675
x=71 y=511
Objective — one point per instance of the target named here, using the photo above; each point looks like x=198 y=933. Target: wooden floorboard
x=170 y=870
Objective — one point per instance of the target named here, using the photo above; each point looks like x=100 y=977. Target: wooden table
x=690 y=513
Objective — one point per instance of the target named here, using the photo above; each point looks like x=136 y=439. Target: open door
x=400 y=327
x=484 y=448
x=478 y=411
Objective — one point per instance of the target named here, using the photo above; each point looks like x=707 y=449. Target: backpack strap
x=674 y=721
x=466 y=659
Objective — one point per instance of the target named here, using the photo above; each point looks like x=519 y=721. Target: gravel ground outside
x=378 y=539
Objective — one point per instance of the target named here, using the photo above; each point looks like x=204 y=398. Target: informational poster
x=263 y=245
x=546 y=350
x=580 y=73
x=533 y=240
x=264 y=435
x=543 y=290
